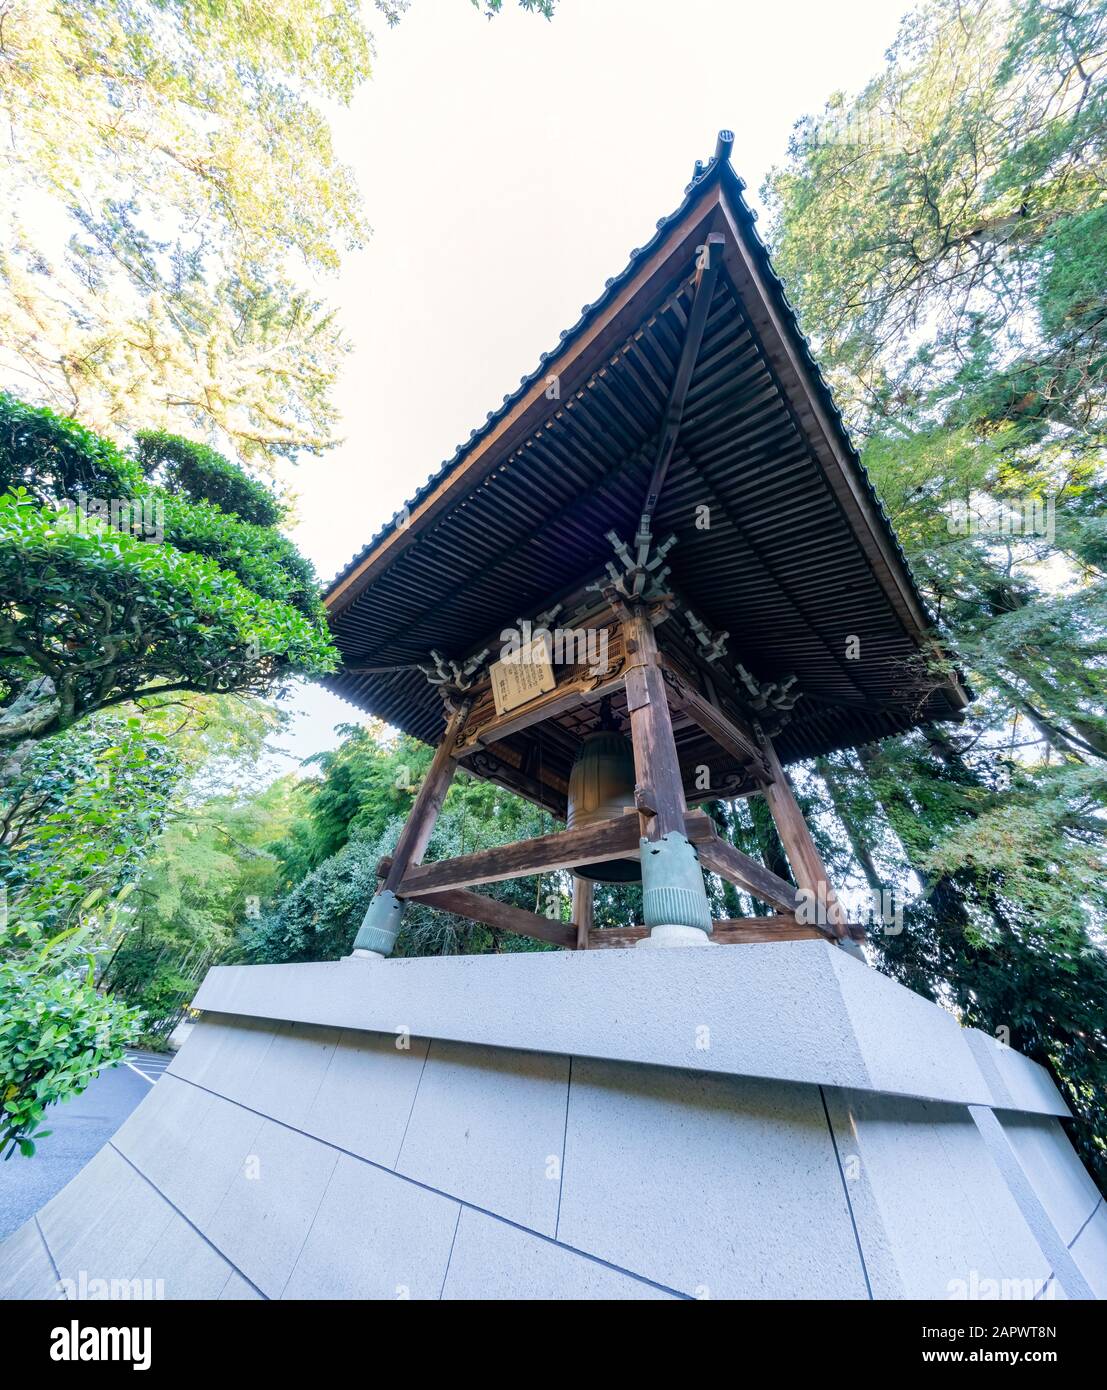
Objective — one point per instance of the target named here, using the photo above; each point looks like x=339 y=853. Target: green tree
x=93 y=616
x=152 y=263
x=942 y=237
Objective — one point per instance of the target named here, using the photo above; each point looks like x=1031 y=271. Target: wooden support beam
x=730 y=863
x=583 y=909
x=616 y=838
x=707 y=277
x=806 y=863
x=416 y=833
x=740 y=742
x=475 y=907
x=563 y=698
x=740 y=931
x=659 y=790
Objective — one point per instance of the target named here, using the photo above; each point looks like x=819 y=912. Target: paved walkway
x=81 y=1126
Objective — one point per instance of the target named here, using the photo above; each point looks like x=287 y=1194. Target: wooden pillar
x=659 y=791
x=381 y=924
x=795 y=835
x=583 y=915
x=412 y=844
x=674 y=898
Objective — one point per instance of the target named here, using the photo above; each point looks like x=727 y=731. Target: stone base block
x=772 y=1121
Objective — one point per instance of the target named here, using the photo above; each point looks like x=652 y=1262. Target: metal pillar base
x=380 y=926
x=673 y=894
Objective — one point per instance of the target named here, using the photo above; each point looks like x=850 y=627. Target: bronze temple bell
x=601 y=785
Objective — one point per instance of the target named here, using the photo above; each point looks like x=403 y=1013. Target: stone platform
x=749 y=1122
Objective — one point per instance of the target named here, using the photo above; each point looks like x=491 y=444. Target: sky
x=508 y=167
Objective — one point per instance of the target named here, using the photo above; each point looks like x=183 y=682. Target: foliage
x=93 y=615
x=204 y=475
x=106 y=617
x=152 y=260
x=78 y=818
x=945 y=248
x=208 y=876
x=56 y=1031
x=938 y=225
x=54 y=459
x=136 y=114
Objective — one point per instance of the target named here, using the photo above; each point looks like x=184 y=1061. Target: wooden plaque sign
x=519 y=678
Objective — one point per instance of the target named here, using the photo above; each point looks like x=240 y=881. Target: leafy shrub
x=263 y=559
x=159 y=610
x=80 y=815
x=54 y=458
x=319 y=919
x=228 y=604
x=56 y=1031
x=204 y=475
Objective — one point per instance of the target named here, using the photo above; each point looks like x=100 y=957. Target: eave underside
x=764 y=550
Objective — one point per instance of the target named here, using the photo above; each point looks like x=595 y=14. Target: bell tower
x=655 y=577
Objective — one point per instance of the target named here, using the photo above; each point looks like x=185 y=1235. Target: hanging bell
x=601 y=785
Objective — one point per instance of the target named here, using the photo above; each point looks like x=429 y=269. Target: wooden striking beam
x=616 y=838
x=739 y=931
x=428 y=801
x=475 y=907
x=704 y=289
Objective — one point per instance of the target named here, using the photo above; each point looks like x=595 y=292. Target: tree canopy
x=942 y=237
x=94 y=615
x=157 y=140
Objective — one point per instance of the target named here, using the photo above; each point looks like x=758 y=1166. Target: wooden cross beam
x=616 y=838
x=739 y=931
x=475 y=907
